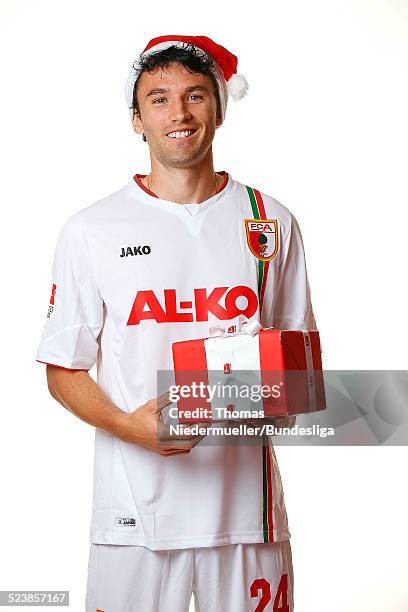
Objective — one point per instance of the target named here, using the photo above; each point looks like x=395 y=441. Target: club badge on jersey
x=262 y=238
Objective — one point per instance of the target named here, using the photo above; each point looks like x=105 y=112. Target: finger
x=180 y=444
x=175 y=452
x=162 y=401
x=169 y=447
x=165 y=434
x=198 y=441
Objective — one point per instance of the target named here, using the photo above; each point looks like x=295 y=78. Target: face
x=178 y=114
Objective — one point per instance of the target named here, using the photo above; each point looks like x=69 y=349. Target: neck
x=191 y=185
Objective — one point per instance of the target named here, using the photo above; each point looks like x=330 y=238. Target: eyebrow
x=161 y=90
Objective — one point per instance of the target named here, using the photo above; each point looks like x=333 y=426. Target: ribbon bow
x=242 y=325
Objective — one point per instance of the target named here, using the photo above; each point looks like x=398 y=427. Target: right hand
x=145 y=426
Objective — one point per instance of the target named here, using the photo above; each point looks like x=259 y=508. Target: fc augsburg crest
x=262 y=237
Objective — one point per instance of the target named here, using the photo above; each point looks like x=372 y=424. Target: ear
x=137 y=123
x=218 y=122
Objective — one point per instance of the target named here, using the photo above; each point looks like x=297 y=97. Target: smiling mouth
x=181 y=134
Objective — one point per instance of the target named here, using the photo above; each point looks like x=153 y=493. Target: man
x=159 y=261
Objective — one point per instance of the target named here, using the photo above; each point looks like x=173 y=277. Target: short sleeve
x=75 y=312
x=292 y=304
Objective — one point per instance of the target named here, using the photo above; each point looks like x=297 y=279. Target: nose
x=178 y=110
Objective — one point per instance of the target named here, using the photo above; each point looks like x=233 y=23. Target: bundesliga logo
x=147 y=306
x=52 y=299
x=125 y=522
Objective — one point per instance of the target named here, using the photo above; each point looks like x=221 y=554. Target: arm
x=78 y=392
x=292 y=306
x=81 y=395
x=69 y=346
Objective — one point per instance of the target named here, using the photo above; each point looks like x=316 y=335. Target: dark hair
x=188 y=55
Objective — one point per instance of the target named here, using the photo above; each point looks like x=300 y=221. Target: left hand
x=278 y=421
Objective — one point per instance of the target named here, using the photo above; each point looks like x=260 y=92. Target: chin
x=182 y=161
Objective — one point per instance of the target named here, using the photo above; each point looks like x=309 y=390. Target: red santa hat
x=225 y=67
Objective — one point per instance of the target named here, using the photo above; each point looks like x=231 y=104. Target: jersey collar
x=150 y=197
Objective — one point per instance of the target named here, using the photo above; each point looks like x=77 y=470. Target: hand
x=277 y=422
x=145 y=426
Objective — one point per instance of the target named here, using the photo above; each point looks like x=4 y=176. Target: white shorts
x=229 y=578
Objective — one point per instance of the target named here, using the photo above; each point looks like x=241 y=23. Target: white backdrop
x=324 y=130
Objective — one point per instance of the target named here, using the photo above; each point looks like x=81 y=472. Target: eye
x=158 y=100
x=196 y=96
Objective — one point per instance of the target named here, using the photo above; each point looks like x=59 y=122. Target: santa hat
x=225 y=67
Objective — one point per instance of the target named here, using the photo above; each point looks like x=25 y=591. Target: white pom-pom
x=237 y=86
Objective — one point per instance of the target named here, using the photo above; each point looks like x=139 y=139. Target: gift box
x=283 y=366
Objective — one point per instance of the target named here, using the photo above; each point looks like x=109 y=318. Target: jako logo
x=147 y=305
x=136 y=250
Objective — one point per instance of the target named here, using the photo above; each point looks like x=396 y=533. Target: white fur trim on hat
x=237 y=86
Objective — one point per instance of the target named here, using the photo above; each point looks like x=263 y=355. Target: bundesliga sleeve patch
x=52 y=298
x=262 y=238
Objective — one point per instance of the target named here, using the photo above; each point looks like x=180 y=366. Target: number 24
x=280 y=603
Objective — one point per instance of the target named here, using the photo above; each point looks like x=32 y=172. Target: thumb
x=162 y=401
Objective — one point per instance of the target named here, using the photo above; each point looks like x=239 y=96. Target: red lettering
x=261 y=227
x=147 y=306
x=234 y=294
x=205 y=304
x=138 y=312
x=171 y=308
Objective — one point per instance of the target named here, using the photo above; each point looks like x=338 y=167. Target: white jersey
x=134 y=273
